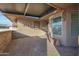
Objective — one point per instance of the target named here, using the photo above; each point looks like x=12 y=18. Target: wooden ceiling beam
x=55 y=6
x=46 y=17
x=26 y=8
x=58 y=9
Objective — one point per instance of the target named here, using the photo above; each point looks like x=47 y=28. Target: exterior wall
x=67 y=28
x=78 y=25
x=29 y=28
x=43 y=25
x=74 y=27
x=61 y=37
x=5 y=38
x=66 y=38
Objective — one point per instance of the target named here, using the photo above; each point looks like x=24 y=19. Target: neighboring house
x=3 y=26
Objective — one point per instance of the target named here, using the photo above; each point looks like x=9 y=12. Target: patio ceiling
x=27 y=9
x=35 y=10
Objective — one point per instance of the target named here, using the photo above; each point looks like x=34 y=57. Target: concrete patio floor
x=27 y=46
x=23 y=45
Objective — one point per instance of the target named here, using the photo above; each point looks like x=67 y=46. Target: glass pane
x=56 y=25
x=4 y=21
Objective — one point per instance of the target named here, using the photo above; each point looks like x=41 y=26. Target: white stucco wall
x=61 y=37
x=66 y=38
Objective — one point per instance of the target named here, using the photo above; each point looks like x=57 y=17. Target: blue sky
x=4 y=20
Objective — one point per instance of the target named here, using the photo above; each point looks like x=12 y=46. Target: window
x=4 y=21
x=56 y=25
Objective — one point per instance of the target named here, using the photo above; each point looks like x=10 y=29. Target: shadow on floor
x=16 y=35
x=23 y=45
x=67 y=51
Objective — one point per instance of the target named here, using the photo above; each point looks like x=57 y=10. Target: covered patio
x=39 y=29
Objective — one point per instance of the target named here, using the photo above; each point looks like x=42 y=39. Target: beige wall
x=5 y=38
x=43 y=25
x=29 y=28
